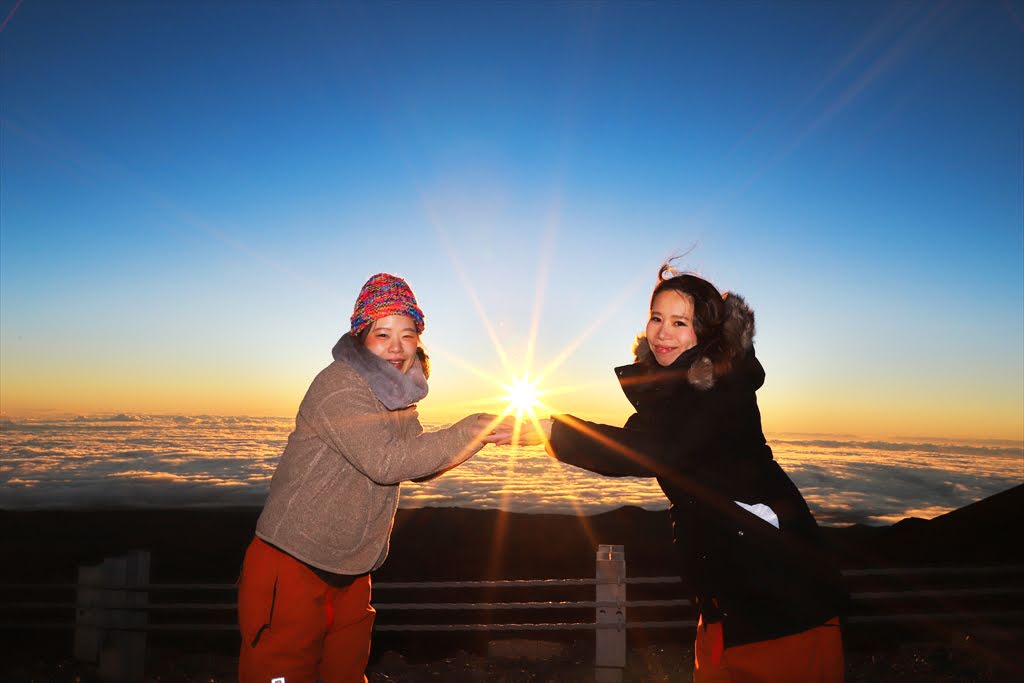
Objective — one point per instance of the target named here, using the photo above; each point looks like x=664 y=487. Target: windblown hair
x=723 y=323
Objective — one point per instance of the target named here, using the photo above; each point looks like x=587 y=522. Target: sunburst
x=523 y=396
x=523 y=386
x=523 y=400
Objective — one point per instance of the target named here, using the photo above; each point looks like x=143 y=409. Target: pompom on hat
x=384 y=295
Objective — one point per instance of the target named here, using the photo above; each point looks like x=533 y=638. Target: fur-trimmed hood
x=737 y=342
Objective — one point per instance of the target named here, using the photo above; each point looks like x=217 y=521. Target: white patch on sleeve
x=762 y=511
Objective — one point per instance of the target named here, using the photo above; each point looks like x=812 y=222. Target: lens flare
x=523 y=396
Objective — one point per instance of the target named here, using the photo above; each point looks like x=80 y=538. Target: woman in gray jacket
x=304 y=593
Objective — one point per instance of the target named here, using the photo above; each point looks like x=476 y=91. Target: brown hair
x=709 y=313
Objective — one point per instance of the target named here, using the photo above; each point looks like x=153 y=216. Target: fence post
x=610 y=651
x=123 y=649
x=109 y=612
x=87 y=614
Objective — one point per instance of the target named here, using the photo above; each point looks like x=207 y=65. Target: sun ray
x=601 y=319
x=82 y=162
x=475 y=299
x=10 y=14
x=494 y=567
x=488 y=403
x=468 y=367
x=667 y=473
x=581 y=516
x=543 y=269
x=563 y=389
x=524 y=385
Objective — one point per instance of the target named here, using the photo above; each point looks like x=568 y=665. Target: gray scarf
x=393 y=388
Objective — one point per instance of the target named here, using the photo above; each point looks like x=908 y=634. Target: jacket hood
x=395 y=389
x=700 y=368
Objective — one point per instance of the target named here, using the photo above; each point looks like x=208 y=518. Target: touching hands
x=535 y=433
x=503 y=432
x=528 y=434
x=493 y=429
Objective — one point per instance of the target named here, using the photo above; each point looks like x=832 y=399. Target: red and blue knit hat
x=385 y=295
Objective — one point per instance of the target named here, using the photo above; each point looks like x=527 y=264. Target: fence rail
x=112 y=607
x=492 y=606
x=527 y=583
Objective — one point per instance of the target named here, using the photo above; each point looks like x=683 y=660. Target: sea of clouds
x=137 y=461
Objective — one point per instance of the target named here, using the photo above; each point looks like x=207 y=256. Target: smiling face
x=394 y=339
x=670 y=327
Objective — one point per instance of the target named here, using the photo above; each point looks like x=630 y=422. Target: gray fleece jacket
x=357 y=436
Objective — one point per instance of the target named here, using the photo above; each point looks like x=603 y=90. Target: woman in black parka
x=752 y=555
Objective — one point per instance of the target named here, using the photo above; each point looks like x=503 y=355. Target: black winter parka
x=707 y=450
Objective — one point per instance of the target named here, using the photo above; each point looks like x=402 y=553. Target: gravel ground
x=908 y=663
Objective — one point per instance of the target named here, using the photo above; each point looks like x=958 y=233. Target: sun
x=523 y=396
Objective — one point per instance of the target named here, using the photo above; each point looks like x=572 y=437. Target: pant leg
x=347 y=645
x=708 y=666
x=281 y=617
x=812 y=656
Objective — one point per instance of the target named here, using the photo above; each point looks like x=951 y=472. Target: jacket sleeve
x=349 y=420
x=638 y=449
x=603 y=449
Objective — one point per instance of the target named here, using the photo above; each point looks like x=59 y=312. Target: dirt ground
x=561 y=663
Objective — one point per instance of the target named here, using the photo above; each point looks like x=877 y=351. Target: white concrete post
x=123 y=650
x=108 y=616
x=87 y=615
x=610 y=652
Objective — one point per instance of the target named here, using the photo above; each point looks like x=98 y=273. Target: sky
x=192 y=194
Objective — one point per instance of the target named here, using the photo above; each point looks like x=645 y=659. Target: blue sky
x=192 y=194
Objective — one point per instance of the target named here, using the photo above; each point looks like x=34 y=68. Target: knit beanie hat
x=385 y=295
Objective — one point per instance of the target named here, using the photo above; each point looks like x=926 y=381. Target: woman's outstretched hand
x=536 y=433
x=494 y=429
x=530 y=433
x=502 y=431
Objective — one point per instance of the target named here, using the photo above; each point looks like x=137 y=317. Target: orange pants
x=295 y=627
x=812 y=656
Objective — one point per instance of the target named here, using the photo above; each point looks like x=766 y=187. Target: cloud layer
x=188 y=461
